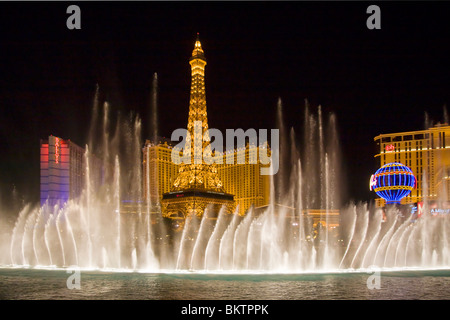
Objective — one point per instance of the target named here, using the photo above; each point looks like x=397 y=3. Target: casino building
x=427 y=154
x=244 y=181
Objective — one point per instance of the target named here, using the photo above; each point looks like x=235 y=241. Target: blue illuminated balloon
x=393 y=182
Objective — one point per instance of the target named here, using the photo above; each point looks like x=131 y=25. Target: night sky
x=375 y=81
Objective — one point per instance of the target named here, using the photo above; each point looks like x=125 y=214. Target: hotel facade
x=427 y=154
x=244 y=181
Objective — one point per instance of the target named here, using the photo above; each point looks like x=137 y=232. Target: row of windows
x=164 y=153
x=437 y=140
x=402 y=147
x=420 y=136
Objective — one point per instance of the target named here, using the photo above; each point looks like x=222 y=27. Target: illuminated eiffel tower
x=197 y=184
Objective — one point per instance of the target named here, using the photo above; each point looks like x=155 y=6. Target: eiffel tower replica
x=197 y=186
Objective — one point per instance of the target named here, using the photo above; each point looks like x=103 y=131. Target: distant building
x=244 y=181
x=62 y=174
x=427 y=154
x=158 y=169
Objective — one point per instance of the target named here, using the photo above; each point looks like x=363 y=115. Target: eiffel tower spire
x=197 y=104
x=197 y=175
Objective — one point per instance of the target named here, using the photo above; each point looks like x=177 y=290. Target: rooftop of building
x=436 y=127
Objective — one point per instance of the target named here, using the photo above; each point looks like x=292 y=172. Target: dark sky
x=375 y=81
